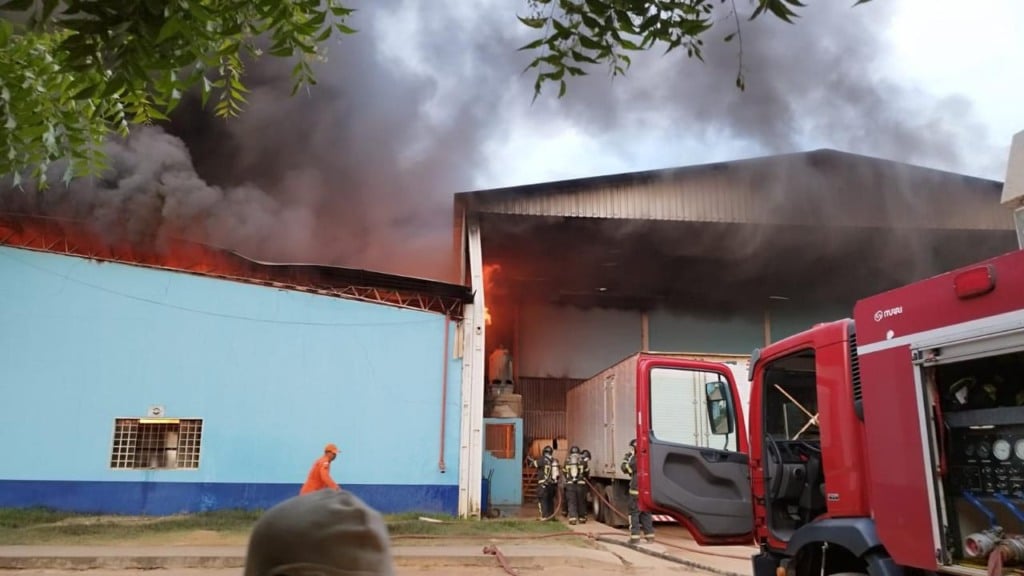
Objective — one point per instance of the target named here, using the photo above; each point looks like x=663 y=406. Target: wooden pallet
x=530 y=484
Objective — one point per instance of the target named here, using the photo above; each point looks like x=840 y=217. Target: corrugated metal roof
x=823 y=187
x=74 y=238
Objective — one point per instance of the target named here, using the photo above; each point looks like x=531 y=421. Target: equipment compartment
x=980 y=412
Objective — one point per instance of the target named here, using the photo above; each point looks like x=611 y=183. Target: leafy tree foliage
x=72 y=72
x=582 y=33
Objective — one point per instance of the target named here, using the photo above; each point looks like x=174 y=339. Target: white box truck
x=674 y=397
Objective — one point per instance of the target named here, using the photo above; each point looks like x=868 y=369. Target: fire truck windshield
x=791 y=400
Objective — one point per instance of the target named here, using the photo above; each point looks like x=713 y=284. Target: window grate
x=156 y=445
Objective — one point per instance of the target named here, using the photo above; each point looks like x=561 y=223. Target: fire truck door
x=692 y=449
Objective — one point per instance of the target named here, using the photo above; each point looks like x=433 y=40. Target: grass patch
x=223 y=527
x=43 y=526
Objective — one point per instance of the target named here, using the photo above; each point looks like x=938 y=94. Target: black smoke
x=360 y=170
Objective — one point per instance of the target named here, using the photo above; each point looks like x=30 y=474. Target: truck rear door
x=692 y=455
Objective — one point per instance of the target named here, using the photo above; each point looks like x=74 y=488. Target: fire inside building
x=183 y=378
x=707 y=261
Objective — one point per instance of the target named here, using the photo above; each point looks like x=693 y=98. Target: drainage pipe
x=444 y=393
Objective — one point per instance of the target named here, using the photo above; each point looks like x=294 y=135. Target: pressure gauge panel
x=984 y=450
x=1001 y=449
x=987 y=459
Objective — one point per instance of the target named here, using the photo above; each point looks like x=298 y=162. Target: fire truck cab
x=895 y=440
x=891 y=442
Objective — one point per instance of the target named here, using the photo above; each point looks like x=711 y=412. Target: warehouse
x=183 y=378
x=711 y=260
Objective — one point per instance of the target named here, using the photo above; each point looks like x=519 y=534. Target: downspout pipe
x=444 y=394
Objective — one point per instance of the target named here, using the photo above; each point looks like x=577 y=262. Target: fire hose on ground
x=597 y=494
x=604 y=537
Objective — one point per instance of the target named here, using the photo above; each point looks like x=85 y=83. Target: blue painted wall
x=274 y=374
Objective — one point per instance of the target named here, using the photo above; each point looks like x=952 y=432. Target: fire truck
x=889 y=443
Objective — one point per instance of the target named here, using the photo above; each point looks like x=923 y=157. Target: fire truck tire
x=614 y=520
x=598 y=507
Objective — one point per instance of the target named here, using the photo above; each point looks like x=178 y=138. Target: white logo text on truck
x=891 y=312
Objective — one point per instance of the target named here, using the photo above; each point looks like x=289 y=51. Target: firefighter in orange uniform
x=320 y=474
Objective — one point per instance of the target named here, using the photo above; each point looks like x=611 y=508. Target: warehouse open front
x=708 y=261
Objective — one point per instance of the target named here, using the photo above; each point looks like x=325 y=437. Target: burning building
x=168 y=375
x=711 y=260
x=176 y=377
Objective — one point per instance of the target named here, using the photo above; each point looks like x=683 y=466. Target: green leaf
x=86 y=93
x=170 y=28
x=532 y=45
x=537 y=23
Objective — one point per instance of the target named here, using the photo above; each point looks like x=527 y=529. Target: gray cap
x=322 y=532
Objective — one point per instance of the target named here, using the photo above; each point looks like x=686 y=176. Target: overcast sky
x=938 y=47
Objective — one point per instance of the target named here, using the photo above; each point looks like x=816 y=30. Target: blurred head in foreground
x=327 y=532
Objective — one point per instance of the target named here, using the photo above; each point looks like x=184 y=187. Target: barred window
x=156 y=443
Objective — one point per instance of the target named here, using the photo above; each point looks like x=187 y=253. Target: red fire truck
x=887 y=443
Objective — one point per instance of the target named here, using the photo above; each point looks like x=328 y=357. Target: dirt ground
x=444 y=571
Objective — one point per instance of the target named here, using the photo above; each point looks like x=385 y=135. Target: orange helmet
x=331 y=448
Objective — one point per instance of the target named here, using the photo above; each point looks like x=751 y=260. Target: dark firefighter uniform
x=586 y=487
x=576 y=486
x=638 y=519
x=547 y=482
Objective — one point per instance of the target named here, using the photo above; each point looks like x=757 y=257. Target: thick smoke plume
x=360 y=171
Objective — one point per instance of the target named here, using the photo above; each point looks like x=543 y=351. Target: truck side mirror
x=718 y=408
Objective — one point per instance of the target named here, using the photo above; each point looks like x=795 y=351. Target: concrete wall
x=565 y=342
x=677 y=332
x=274 y=374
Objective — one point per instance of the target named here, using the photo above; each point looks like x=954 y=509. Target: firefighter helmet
x=574 y=450
x=586 y=454
x=632 y=443
x=548 y=450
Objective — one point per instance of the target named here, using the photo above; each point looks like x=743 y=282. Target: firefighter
x=547 y=482
x=319 y=476
x=638 y=519
x=575 y=485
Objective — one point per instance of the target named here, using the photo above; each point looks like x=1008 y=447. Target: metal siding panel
x=544 y=394
x=746 y=191
x=541 y=424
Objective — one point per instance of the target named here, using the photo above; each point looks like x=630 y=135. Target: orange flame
x=76 y=238
x=489 y=272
